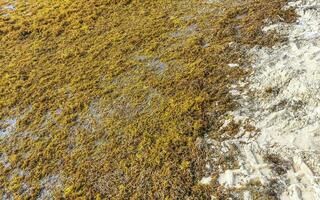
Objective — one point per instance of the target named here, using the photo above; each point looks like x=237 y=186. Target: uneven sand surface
x=286 y=109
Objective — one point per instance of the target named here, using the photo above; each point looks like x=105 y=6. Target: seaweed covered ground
x=112 y=99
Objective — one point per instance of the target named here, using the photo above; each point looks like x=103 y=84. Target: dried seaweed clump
x=110 y=96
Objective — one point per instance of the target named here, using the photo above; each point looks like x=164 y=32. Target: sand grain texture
x=285 y=106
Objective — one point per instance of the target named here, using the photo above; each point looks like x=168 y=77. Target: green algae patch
x=112 y=97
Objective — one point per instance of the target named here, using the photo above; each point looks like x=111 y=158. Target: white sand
x=206 y=180
x=9 y=125
x=288 y=115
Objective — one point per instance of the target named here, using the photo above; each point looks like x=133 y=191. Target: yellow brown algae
x=110 y=96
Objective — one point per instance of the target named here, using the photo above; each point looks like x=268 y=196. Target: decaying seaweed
x=110 y=96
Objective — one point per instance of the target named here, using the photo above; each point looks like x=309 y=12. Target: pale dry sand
x=286 y=109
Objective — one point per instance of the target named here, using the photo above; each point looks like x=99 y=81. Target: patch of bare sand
x=285 y=106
